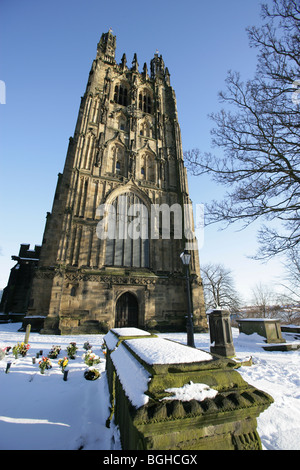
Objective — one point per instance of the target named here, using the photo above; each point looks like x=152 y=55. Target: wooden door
x=127 y=311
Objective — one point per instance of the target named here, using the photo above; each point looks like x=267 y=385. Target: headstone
x=220 y=333
x=28 y=328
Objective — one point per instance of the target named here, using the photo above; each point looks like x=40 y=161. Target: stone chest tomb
x=145 y=371
x=269 y=328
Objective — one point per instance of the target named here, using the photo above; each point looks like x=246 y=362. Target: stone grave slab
x=143 y=371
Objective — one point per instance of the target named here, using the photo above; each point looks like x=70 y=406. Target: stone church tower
x=126 y=152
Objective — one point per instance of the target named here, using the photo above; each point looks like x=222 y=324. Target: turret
x=106 y=47
x=157 y=66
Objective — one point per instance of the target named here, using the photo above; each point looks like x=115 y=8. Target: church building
x=110 y=255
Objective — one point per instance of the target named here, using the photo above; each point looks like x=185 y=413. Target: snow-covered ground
x=44 y=412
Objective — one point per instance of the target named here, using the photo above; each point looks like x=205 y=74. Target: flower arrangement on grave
x=20 y=348
x=15 y=350
x=91 y=358
x=24 y=348
x=103 y=347
x=44 y=364
x=87 y=346
x=63 y=363
x=92 y=374
x=54 y=352
x=71 y=350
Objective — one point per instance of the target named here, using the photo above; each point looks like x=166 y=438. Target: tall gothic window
x=121 y=95
x=127 y=243
x=117 y=164
x=148 y=167
x=145 y=102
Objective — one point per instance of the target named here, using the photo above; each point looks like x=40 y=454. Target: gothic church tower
x=126 y=151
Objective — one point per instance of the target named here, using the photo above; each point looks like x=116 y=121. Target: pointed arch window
x=73 y=291
x=117 y=160
x=127 y=243
x=148 y=167
x=145 y=102
x=121 y=95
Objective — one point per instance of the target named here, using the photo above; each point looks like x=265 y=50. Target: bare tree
x=263 y=302
x=261 y=138
x=290 y=310
x=292 y=267
x=219 y=289
x=290 y=298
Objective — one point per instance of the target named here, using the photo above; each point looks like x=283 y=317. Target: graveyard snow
x=45 y=412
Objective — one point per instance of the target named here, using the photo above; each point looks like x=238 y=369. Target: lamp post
x=185 y=258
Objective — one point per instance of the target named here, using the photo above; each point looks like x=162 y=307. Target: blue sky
x=46 y=52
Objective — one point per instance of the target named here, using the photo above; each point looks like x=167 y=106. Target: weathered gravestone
x=26 y=339
x=220 y=333
x=269 y=328
x=142 y=372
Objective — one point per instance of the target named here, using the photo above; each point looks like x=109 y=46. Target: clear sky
x=47 y=48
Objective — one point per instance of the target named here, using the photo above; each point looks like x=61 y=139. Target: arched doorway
x=127 y=311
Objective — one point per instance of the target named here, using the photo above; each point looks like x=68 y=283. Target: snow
x=135 y=382
x=159 y=351
x=152 y=351
x=130 y=331
x=112 y=340
x=44 y=412
x=191 y=391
